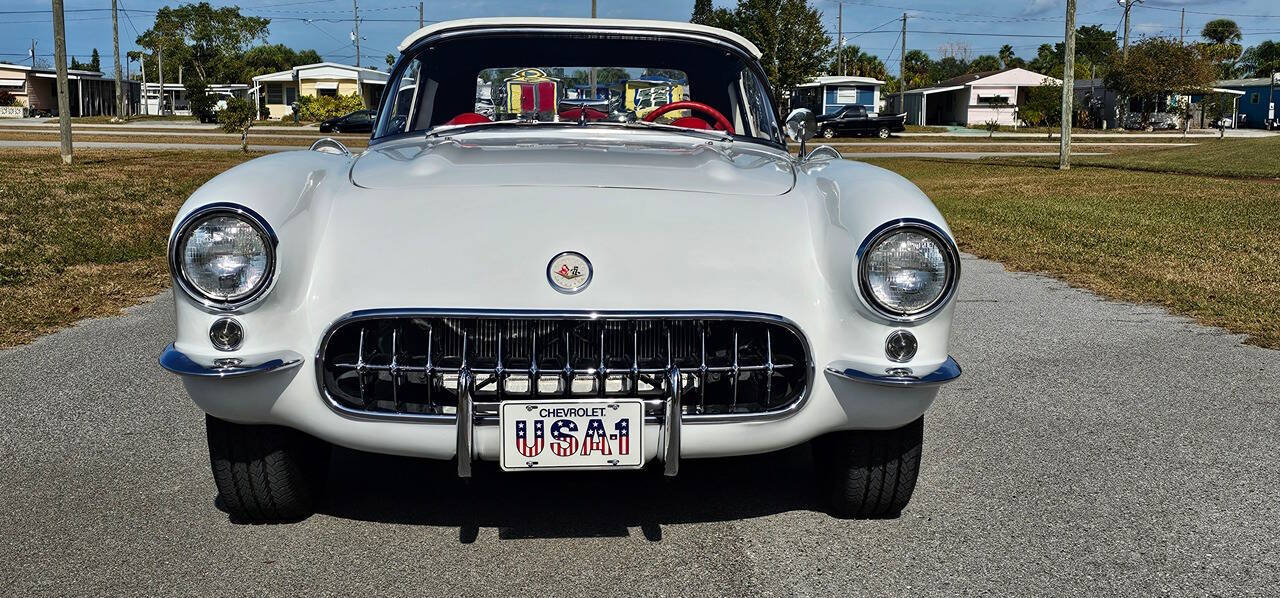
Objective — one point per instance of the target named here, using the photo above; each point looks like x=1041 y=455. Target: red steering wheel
x=722 y=123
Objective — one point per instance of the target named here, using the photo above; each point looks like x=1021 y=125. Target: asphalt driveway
x=1091 y=448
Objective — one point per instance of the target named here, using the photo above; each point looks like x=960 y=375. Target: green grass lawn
x=1202 y=246
x=89 y=239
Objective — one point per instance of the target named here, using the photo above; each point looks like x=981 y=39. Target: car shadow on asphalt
x=520 y=505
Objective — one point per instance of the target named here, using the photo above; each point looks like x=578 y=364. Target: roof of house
x=580 y=23
x=973 y=78
x=372 y=75
x=1250 y=82
x=836 y=80
x=74 y=73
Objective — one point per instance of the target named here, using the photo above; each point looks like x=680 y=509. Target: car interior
x=531 y=78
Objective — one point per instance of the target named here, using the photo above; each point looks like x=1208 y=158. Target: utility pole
x=33 y=53
x=1182 y=27
x=355 y=8
x=902 y=69
x=60 y=63
x=1068 y=86
x=592 y=77
x=142 y=62
x=115 y=45
x=1128 y=5
x=840 y=39
x=160 y=74
x=420 y=15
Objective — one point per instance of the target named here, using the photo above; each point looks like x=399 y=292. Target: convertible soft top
x=578 y=23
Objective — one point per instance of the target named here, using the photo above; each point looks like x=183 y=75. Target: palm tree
x=1006 y=56
x=1224 y=38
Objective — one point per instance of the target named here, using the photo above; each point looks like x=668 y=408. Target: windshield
x=529 y=79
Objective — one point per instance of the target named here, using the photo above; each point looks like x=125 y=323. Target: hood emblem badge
x=569 y=272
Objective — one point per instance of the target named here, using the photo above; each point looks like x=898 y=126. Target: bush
x=318 y=108
x=203 y=104
x=237 y=117
x=7 y=99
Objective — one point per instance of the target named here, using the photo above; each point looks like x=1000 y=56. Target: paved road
x=1092 y=448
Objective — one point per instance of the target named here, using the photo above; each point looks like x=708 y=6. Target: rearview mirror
x=801 y=126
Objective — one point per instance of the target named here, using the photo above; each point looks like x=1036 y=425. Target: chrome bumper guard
x=180 y=363
x=669 y=449
x=901 y=378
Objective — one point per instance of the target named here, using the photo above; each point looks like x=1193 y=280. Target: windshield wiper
x=703 y=133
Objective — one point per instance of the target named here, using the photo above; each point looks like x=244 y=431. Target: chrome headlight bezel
x=950 y=253
x=194 y=219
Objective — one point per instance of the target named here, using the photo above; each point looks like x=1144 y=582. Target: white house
x=278 y=91
x=973 y=99
x=175 y=96
x=827 y=94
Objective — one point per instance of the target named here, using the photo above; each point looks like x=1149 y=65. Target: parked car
x=854 y=120
x=1155 y=120
x=360 y=121
x=552 y=294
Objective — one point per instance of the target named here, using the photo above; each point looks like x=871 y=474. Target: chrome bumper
x=231 y=367
x=948 y=371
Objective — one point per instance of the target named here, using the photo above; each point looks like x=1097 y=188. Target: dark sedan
x=360 y=121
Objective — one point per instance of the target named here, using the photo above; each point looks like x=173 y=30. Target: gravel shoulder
x=1092 y=447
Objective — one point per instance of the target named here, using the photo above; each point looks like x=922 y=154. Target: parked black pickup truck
x=853 y=120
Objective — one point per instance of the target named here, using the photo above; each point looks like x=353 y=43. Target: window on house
x=290 y=95
x=275 y=93
x=1253 y=98
x=327 y=92
x=993 y=99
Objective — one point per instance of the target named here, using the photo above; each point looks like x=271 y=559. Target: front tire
x=828 y=132
x=266 y=474
x=883 y=133
x=869 y=474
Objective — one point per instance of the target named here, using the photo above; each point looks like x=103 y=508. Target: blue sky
x=324 y=25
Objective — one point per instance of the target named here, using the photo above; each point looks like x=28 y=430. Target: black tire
x=869 y=474
x=828 y=132
x=266 y=474
x=883 y=133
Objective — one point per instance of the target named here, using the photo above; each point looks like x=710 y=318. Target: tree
x=1005 y=55
x=858 y=63
x=237 y=117
x=1158 y=66
x=789 y=33
x=985 y=62
x=210 y=42
x=1261 y=60
x=1094 y=48
x=273 y=58
x=706 y=14
x=1048 y=61
x=94 y=64
x=947 y=68
x=391 y=61
x=1042 y=106
x=201 y=102
x=1223 y=39
x=917 y=66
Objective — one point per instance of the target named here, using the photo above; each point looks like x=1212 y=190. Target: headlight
x=223 y=255
x=907 y=270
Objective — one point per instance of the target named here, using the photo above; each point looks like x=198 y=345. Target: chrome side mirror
x=801 y=126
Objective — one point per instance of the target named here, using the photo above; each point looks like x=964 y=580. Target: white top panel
x=571 y=23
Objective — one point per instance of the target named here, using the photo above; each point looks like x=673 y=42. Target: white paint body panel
x=679 y=242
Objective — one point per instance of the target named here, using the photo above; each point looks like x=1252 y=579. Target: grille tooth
x=409 y=365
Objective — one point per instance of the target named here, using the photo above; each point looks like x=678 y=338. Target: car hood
x=612 y=159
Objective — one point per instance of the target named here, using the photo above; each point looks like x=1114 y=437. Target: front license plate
x=593 y=434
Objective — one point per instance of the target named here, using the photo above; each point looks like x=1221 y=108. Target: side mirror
x=801 y=126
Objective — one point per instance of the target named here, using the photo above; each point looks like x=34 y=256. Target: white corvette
x=620 y=282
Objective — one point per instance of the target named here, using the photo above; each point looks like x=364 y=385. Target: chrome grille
x=408 y=364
